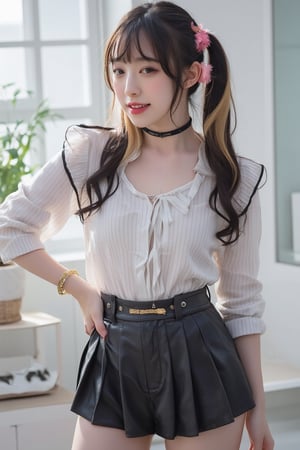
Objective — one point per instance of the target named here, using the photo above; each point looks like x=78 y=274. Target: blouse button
x=183 y=304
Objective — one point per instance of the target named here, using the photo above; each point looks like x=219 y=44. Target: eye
x=118 y=71
x=147 y=70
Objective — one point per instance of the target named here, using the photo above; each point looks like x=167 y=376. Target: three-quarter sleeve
x=238 y=290
x=42 y=205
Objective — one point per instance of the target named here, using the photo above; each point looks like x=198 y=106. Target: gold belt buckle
x=160 y=311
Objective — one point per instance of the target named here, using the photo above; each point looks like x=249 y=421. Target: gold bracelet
x=60 y=285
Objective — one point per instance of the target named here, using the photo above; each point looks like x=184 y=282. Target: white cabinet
x=8 y=438
x=35 y=423
x=40 y=421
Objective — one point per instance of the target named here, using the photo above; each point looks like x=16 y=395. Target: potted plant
x=17 y=141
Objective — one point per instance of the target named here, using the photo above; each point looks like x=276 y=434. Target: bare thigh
x=93 y=437
x=227 y=437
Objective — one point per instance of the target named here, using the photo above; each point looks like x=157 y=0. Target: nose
x=132 y=88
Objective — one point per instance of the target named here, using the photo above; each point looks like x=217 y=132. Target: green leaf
x=13 y=152
x=17 y=141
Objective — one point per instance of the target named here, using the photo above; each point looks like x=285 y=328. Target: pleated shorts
x=167 y=367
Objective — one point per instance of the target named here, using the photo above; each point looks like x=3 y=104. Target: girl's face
x=144 y=91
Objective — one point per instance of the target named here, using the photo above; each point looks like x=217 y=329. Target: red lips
x=137 y=108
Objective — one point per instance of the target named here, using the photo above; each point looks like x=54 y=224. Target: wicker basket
x=12 y=286
x=10 y=311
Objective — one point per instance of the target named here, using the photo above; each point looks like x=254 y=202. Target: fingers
x=266 y=444
x=101 y=328
x=98 y=325
x=89 y=328
x=92 y=309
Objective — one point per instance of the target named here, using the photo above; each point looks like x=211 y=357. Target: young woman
x=167 y=212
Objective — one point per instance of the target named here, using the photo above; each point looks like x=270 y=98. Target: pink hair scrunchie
x=205 y=76
x=202 y=41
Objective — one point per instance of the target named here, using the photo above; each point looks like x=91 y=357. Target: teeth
x=136 y=106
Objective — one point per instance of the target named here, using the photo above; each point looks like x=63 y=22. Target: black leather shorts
x=166 y=367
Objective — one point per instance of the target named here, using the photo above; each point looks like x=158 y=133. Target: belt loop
x=178 y=309
x=109 y=303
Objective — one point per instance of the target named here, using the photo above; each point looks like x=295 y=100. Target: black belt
x=178 y=306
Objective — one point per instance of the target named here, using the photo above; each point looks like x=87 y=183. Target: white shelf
x=31 y=320
x=25 y=413
x=278 y=375
x=34 y=355
x=58 y=396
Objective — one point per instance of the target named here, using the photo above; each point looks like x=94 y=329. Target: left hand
x=258 y=429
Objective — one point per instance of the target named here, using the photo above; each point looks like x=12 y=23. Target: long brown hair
x=167 y=23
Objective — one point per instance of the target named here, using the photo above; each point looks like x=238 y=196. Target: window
x=53 y=48
x=286 y=35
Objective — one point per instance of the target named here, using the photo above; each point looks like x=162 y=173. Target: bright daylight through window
x=57 y=57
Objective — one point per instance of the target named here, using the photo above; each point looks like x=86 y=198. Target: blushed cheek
x=119 y=92
x=164 y=89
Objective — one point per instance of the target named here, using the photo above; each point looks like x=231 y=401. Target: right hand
x=92 y=310
x=90 y=303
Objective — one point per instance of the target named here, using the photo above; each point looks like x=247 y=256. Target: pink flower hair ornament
x=202 y=40
x=205 y=76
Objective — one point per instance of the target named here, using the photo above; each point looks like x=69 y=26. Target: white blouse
x=140 y=248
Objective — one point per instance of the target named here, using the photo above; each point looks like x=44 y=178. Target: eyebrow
x=138 y=59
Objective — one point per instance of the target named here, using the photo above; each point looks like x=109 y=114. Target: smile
x=137 y=108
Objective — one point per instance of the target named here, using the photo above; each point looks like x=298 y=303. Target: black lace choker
x=163 y=134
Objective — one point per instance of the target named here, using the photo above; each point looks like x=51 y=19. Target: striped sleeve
x=42 y=205
x=238 y=290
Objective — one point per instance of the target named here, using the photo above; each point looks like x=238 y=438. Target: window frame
x=33 y=46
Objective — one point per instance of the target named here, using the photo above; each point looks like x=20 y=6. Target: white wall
x=244 y=28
